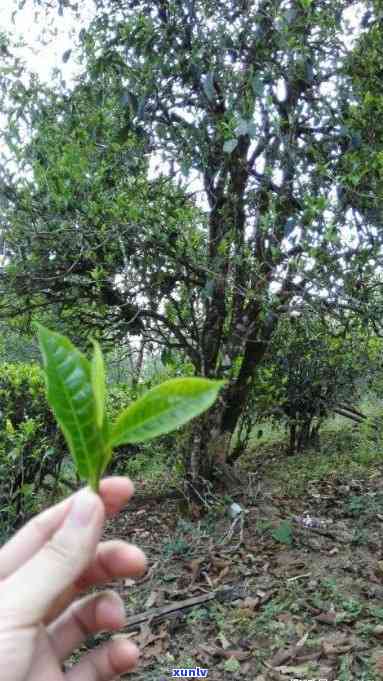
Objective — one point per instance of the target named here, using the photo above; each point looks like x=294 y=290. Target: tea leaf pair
x=76 y=392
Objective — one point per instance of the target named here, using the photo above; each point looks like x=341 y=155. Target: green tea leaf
x=98 y=383
x=164 y=408
x=70 y=395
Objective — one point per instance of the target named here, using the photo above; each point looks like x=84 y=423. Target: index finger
x=115 y=492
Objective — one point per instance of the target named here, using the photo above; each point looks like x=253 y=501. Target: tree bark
x=207 y=449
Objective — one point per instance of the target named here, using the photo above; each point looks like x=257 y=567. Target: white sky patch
x=46 y=37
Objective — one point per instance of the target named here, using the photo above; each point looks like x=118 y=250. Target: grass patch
x=343 y=452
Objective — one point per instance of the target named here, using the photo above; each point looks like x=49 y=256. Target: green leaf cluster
x=31 y=449
x=76 y=392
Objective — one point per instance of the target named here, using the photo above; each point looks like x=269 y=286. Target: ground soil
x=303 y=578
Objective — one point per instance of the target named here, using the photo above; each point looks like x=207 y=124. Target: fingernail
x=82 y=509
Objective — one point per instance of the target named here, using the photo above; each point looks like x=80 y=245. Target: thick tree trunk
x=207 y=445
x=207 y=448
x=205 y=454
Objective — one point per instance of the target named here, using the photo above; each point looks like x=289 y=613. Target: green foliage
x=340 y=455
x=31 y=449
x=76 y=393
x=361 y=165
x=153 y=459
x=168 y=406
x=15 y=344
x=313 y=365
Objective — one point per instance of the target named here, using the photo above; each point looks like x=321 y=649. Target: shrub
x=313 y=366
x=31 y=447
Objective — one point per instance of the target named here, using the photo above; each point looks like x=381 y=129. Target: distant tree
x=314 y=368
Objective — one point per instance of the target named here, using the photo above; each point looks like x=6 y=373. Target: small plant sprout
x=76 y=393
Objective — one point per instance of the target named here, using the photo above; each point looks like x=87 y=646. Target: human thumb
x=29 y=593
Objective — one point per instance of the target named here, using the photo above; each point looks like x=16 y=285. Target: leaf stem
x=95 y=484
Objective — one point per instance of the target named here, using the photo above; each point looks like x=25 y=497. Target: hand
x=44 y=568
